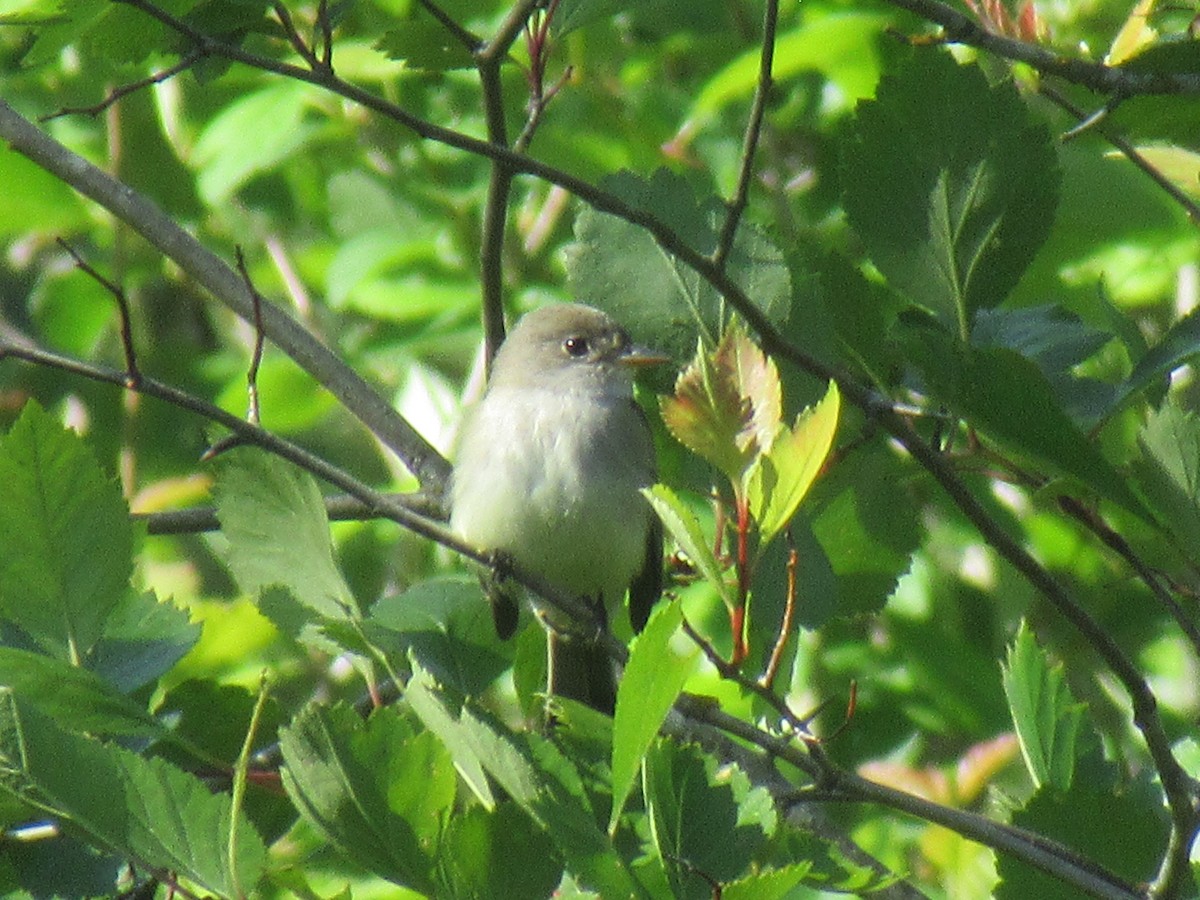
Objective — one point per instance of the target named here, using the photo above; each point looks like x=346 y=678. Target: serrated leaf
x=1124 y=827
x=75 y=697
x=146 y=810
x=1007 y=397
x=727 y=405
x=951 y=184
x=685 y=530
x=278 y=531
x=425 y=44
x=616 y=266
x=867 y=527
x=654 y=676
x=538 y=777
x=377 y=789
x=1046 y=716
x=704 y=816
x=447 y=627
x=781 y=477
x=1169 y=473
x=772 y=884
x=66 y=534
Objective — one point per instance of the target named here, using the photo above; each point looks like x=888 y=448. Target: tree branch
x=145 y=217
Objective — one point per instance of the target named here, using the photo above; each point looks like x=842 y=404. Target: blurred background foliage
x=1058 y=347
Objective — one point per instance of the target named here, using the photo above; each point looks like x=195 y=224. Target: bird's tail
x=581 y=671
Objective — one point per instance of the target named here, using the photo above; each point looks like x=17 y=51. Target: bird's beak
x=639 y=358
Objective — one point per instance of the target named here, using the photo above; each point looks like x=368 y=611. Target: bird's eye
x=576 y=346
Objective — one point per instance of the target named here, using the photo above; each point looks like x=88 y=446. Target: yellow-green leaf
x=685 y=529
x=781 y=478
x=726 y=406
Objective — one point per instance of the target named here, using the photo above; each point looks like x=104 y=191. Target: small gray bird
x=548 y=473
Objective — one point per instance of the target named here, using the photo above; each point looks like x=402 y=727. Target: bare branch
x=754 y=125
x=132 y=375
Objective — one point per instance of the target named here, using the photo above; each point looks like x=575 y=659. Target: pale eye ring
x=576 y=346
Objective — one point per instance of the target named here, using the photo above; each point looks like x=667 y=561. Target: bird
x=548 y=475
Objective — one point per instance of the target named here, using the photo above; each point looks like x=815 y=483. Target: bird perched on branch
x=548 y=475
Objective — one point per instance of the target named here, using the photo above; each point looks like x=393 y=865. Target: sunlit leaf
x=726 y=406
x=1046 y=716
x=653 y=678
x=782 y=476
x=684 y=528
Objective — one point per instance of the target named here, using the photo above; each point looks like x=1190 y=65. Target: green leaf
x=425 y=44
x=1180 y=344
x=146 y=810
x=618 y=267
x=75 y=697
x=868 y=527
x=1123 y=827
x=66 y=534
x=432 y=705
x=727 y=405
x=278 y=531
x=446 y=626
x=1046 y=716
x=950 y=183
x=781 y=478
x=377 y=790
x=143 y=638
x=540 y=779
x=841 y=46
x=772 y=884
x=497 y=856
x=704 y=817
x=1169 y=473
x=1007 y=397
x=253 y=134
x=1057 y=340
x=684 y=528
x=655 y=674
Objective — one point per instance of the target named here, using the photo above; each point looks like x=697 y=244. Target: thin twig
x=1114 y=81
x=293 y=36
x=162 y=232
x=125 y=328
x=469 y=41
x=1129 y=151
x=785 y=626
x=186 y=62
x=754 y=125
x=256 y=300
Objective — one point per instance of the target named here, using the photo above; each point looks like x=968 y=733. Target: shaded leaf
x=616 y=266
x=951 y=184
x=1169 y=473
x=1124 y=827
x=704 y=817
x=377 y=790
x=446 y=626
x=543 y=782
x=66 y=534
x=159 y=817
x=74 y=697
x=425 y=44
x=1008 y=398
